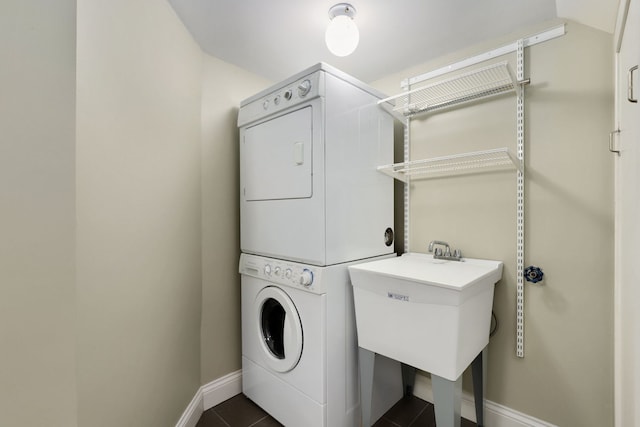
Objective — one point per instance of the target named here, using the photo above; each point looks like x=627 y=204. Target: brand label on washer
x=400 y=297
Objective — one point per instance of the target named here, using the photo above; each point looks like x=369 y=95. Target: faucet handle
x=457 y=253
x=437 y=252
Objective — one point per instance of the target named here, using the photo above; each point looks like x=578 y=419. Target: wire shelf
x=495 y=159
x=481 y=83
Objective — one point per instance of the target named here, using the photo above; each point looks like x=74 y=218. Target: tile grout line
x=265 y=417
x=424 y=408
x=395 y=424
x=221 y=418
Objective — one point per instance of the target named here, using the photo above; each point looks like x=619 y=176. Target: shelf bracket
x=388 y=108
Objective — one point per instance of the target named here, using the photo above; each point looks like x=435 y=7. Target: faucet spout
x=438 y=253
x=437 y=242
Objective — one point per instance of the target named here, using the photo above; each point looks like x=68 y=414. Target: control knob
x=306 y=278
x=267 y=270
x=304 y=87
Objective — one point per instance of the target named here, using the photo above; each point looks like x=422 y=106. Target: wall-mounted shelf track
x=434 y=91
x=490 y=160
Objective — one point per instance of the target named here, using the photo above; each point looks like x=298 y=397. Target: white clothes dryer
x=299 y=345
x=310 y=189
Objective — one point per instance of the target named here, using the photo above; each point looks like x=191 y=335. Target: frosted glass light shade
x=342 y=36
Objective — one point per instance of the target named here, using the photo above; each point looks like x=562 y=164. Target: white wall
x=37 y=202
x=138 y=214
x=566 y=377
x=223 y=88
x=111 y=334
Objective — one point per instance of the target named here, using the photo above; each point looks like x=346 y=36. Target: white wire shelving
x=456 y=164
x=475 y=85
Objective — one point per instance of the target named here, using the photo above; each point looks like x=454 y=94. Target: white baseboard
x=194 y=411
x=210 y=395
x=223 y=388
x=495 y=415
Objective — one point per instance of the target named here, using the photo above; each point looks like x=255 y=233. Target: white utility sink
x=428 y=313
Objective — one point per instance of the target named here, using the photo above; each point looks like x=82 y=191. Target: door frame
x=619 y=375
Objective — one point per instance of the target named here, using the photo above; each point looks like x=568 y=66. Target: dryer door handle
x=298 y=153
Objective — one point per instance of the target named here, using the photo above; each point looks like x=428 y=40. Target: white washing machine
x=299 y=345
x=309 y=151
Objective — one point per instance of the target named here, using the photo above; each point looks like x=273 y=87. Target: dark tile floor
x=241 y=412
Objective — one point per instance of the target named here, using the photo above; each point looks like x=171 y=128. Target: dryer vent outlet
x=388 y=236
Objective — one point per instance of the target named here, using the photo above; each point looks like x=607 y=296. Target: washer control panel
x=282 y=272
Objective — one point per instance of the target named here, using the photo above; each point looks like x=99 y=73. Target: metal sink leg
x=447 y=397
x=408 y=379
x=367 y=363
x=479 y=372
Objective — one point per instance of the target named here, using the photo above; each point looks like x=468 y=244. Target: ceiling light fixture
x=342 y=34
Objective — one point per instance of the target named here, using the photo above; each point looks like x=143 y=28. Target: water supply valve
x=533 y=274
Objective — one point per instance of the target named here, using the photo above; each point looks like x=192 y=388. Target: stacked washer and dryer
x=312 y=203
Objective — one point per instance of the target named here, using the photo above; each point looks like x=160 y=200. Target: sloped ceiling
x=600 y=14
x=278 y=38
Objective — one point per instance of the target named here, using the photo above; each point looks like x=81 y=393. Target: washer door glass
x=280 y=329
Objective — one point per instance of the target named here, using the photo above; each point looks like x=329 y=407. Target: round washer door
x=279 y=329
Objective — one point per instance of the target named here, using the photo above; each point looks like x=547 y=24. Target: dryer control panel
x=293 y=93
x=286 y=273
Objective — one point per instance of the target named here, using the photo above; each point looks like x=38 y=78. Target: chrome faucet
x=438 y=253
x=441 y=243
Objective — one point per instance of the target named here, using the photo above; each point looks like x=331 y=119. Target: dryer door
x=276 y=158
x=280 y=329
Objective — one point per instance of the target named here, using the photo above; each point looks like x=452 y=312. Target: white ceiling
x=278 y=38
